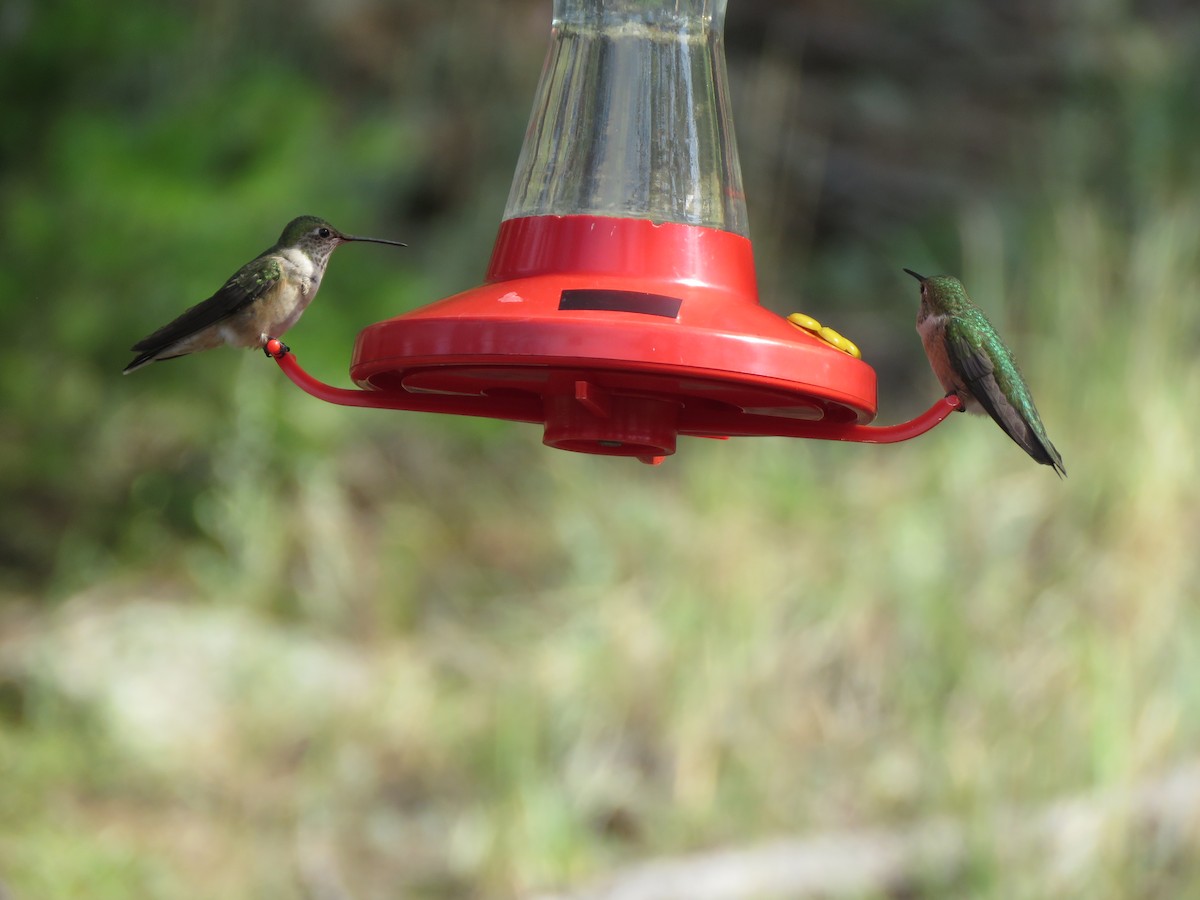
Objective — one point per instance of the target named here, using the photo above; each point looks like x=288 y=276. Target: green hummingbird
x=972 y=362
x=260 y=301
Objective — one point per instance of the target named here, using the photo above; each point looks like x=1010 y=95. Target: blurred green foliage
x=252 y=645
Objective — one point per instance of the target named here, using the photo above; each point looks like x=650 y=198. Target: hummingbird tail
x=1038 y=447
x=1055 y=460
x=144 y=359
x=138 y=361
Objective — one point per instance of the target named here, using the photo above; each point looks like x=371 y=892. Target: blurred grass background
x=252 y=645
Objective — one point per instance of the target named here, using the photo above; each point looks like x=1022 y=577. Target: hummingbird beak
x=348 y=238
x=915 y=275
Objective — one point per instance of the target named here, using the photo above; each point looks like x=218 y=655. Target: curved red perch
x=516 y=409
x=532 y=408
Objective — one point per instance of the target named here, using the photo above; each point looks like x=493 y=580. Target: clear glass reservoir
x=631 y=118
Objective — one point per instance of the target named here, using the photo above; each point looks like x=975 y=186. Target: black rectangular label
x=621 y=301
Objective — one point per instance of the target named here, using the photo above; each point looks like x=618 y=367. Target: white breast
x=302 y=278
x=301 y=264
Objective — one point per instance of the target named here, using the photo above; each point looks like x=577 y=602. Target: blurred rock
x=196 y=687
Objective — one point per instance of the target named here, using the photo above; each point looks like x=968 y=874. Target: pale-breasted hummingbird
x=972 y=362
x=260 y=301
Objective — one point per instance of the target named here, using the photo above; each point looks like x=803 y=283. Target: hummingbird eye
x=324 y=232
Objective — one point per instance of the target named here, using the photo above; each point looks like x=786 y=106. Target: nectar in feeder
x=620 y=308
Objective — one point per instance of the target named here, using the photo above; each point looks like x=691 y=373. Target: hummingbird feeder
x=620 y=307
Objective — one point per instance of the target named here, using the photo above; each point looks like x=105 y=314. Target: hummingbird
x=972 y=362
x=260 y=301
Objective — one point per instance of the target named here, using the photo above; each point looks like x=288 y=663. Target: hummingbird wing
x=245 y=286
x=1009 y=403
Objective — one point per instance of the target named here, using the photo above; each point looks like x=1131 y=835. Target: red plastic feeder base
x=618 y=334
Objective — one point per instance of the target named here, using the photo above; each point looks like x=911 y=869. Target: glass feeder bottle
x=631 y=117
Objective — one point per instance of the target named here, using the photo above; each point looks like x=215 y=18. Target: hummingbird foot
x=275 y=348
x=962 y=401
